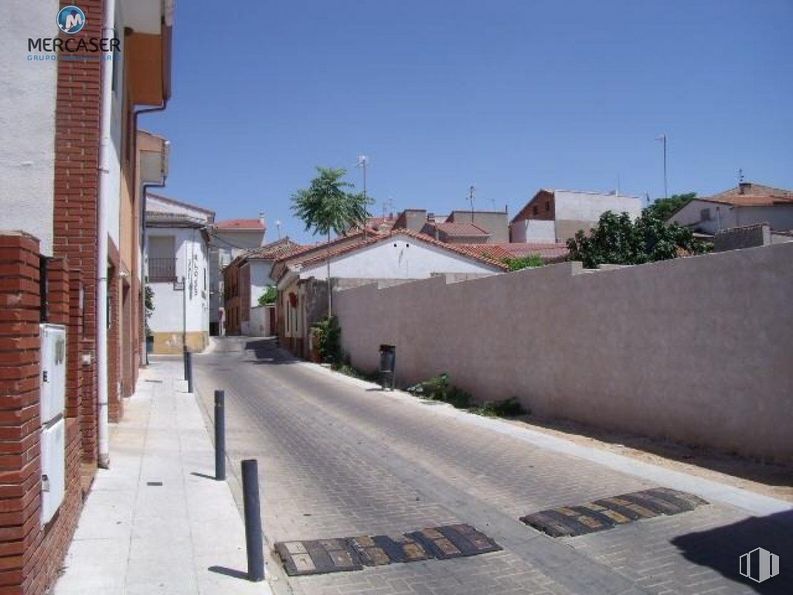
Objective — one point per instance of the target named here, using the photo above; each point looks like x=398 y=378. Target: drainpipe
x=105 y=191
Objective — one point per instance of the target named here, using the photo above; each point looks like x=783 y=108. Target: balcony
x=162 y=270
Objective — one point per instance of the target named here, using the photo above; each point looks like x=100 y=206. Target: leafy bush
x=524 y=262
x=507 y=408
x=269 y=296
x=327 y=333
x=148 y=303
x=438 y=388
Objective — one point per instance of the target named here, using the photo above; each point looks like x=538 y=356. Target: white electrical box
x=53 y=468
x=53 y=371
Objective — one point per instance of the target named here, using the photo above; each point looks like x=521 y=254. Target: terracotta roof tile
x=251 y=224
x=503 y=251
x=750 y=200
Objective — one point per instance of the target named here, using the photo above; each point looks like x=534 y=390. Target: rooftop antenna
x=362 y=162
x=740 y=176
x=387 y=204
x=278 y=227
x=471 y=189
x=662 y=138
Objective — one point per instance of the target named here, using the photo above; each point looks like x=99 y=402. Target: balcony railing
x=162 y=269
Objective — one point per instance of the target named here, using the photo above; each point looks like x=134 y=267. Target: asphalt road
x=339 y=458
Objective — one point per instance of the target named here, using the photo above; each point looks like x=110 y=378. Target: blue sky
x=510 y=96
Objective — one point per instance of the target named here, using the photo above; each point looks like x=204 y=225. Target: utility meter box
x=53 y=469
x=53 y=371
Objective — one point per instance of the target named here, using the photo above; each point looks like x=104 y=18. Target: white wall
x=168 y=304
x=113 y=211
x=27 y=121
x=533 y=230
x=721 y=216
x=588 y=206
x=259 y=323
x=399 y=257
x=260 y=278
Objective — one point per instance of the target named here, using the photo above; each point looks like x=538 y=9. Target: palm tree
x=327 y=206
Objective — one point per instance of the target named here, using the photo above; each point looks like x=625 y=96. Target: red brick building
x=73 y=203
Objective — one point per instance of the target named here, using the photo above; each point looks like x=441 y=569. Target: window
x=162 y=258
x=704 y=215
x=535 y=210
x=547 y=205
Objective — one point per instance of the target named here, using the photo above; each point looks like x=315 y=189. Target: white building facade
x=554 y=216
x=177 y=272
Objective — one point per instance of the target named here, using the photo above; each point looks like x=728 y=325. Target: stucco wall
x=27 y=119
x=696 y=349
x=588 y=206
x=533 y=230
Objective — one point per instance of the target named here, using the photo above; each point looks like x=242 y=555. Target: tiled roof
x=180 y=203
x=749 y=200
x=503 y=251
x=316 y=254
x=246 y=224
x=460 y=229
x=752 y=189
x=274 y=250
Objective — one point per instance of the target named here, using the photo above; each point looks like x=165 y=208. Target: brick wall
x=76 y=185
x=30 y=555
x=115 y=407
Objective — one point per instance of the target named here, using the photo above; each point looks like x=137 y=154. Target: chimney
x=261 y=217
x=743 y=187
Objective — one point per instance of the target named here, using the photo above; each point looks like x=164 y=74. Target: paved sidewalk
x=184 y=536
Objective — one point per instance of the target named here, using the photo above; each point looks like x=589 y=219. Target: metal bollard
x=188 y=370
x=185 y=355
x=220 y=435
x=253 y=520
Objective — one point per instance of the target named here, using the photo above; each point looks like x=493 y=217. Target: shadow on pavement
x=721 y=548
x=229 y=572
x=203 y=475
x=266 y=351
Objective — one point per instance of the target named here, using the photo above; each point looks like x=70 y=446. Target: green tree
x=664 y=207
x=269 y=296
x=618 y=240
x=327 y=206
x=524 y=262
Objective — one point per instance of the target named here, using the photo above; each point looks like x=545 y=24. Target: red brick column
x=30 y=555
x=115 y=407
x=74 y=365
x=77 y=119
x=19 y=403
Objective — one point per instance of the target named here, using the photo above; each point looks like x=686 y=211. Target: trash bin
x=387 y=365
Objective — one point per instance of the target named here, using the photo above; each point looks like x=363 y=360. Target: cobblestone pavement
x=339 y=459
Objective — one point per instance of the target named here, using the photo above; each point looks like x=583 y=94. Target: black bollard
x=253 y=520
x=189 y=371
x=220 y=435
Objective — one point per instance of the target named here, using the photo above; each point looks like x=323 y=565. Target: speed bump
x=353 y=553
x=605 y=513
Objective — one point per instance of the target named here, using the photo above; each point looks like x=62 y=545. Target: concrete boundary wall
x=698 y=350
